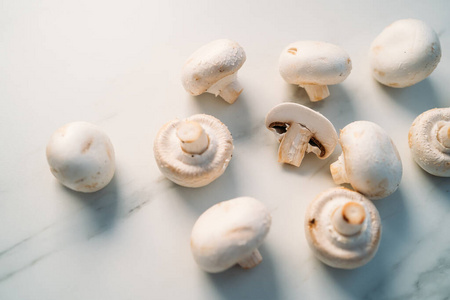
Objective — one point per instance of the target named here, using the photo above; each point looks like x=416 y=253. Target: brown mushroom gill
x=282 y=128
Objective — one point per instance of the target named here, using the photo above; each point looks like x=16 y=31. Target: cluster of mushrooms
x=342 y=226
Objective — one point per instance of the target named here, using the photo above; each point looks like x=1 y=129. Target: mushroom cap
x=193 y=170
x=404 y=53
x=228 y=232
x=426 y=149
x=81 y=157
x=314 y=63
x=372 y=162
x=211 y=63
x=330 y=246
x=322 y=129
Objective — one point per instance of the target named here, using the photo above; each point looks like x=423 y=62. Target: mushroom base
x=294 y=145
x=338 y=171
x=251 y=261
x=228 y=88
x=317 y=92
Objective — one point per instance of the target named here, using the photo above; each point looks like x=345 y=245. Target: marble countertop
x=117 y=64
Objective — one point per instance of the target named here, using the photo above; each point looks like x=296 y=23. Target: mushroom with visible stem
x=429 y=140
x=193 y=152
x=369 y=161
x=313 y=66
x=300 y=130
x=404 y=53
x=213 y=69
x=343 y=228
x=81 y=157
x=230 y=233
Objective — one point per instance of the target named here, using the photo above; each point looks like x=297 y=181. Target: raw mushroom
x=193 y=152
x=404 y=53
x=313 y=66
x=299 y=130
x=343 y=228
x=369 y=161
x=230 y=233
x=213 y=69
x=429 y=140
x=81 y=157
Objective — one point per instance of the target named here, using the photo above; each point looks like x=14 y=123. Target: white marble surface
x=117 y=64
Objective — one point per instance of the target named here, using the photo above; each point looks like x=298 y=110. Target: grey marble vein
x=104 y=213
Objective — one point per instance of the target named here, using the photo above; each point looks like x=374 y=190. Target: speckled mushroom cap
x=229 y=232
x=404 y=53
x=211 y=63
x=314 y=63
x=369 y=161
x=81 y=157
x=429 y=140
x=193 y=170
x=330 y=246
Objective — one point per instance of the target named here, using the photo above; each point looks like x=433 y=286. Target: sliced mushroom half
x=301 y=130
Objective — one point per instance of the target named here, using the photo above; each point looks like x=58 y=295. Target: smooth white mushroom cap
x=322 y=129
x=314 y=63
x=404 y=53
x=328 y=244
x=211 y=63
x=369 y=161
x=229 y=232
x=193 y=170
x=81 y=157
x=429 y=138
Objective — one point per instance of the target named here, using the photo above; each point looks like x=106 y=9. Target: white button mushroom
x=229 y=233
x=369 y=161
x=404 y=53
x=299 y=130
x=343 y=228
x=193 y=152
x=429 y=140
x=81 y=157
x=313 y=66
x=213 y=69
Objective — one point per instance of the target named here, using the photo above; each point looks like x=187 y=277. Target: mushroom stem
x=338 y=171
x=348 y=218
x=251 y=261
x=443 y=135
x=228 y=88
x=317 y=92
x=231 y=92
x=294 y=144
x=193 y=137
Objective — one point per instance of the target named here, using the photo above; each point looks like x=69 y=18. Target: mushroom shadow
x=311 y=166
x=440 y=184
x=236 y=116
x=380 y=270
x=296 y=94
x=200 y=199
x=259 y=282
x=416 y=98
x=102 y=206
x=338 y=107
